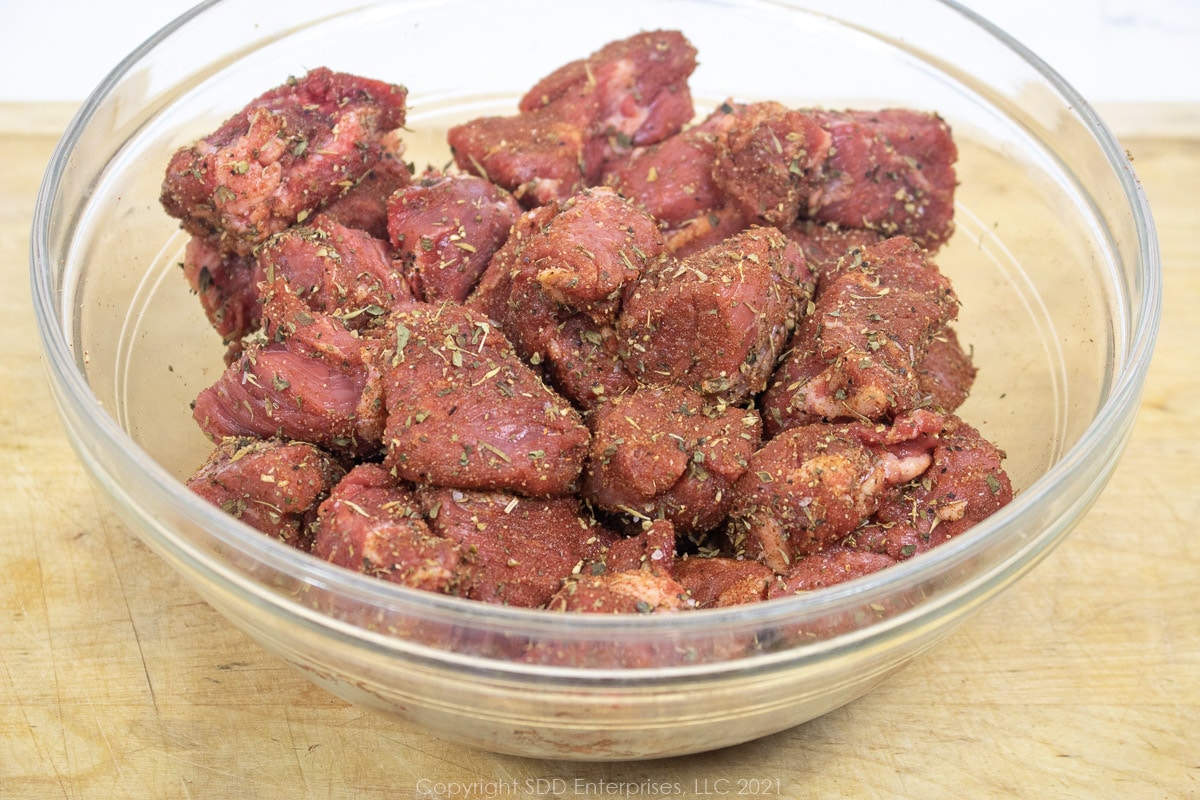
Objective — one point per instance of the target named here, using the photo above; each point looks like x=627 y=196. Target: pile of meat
x=612 y=359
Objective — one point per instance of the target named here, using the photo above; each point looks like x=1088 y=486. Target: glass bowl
x=1055 y=261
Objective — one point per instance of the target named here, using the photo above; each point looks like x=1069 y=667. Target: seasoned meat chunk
x=632 y=592
x=635 y=577
x=309 y=379
x=464 y=412
x=766 y=155
x=580 y=261
x=559 y=286
x=536 y=156
x=445 y=229
x=827 y=568
x=342 y=272
x=716 y=321
x=226 y=284
x=365 y=205
x=582 y=362
x=263 y=393
x=947 y=373
x=964 y=485
x=857 y=353
x=636 y=86
x=372 y=524
x=944 y=378
x=562 y=259
x=673 y=179
x=783 y=403
x=491 y=293
x=517 y=551
x=889 y=170
x=281 y=157
x=825 y=245
x=707 y=230
x=629 y=93
x=667 y=452
x=719 y=581
x=272 y=485
x=809 y=487
x=651 y=548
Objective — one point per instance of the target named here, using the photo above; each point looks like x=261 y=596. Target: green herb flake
x=402 y=337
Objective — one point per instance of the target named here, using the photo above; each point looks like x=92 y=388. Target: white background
x=1112 y=51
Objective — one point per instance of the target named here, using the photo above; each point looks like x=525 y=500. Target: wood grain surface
x=1083 y=681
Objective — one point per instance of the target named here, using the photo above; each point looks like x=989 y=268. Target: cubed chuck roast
x=634 y=578
x=517 y=551
x=672 y=181
x=827 y=568
x=335 y=270
x=890 y=171
x=309 y=375
x=964 y=485
x=445 y=229
x=629 y=93
x=857 y=355
x=227 y=285
x=272 y=485
x=311 y=381
x=364 y=206
x=372 y=523
x=718 y=320
x=667 y=452
x=282 y=157
x=811 y=486
x=463 y=411
x=556 y=289
x=716 y=581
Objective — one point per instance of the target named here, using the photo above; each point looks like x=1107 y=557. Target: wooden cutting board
x=1083 y=681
